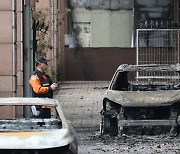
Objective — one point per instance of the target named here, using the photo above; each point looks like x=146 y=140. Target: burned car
x=142 y=99
x=19 y=135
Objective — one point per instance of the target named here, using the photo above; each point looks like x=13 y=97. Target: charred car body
x=36 y=135
x=145 y=97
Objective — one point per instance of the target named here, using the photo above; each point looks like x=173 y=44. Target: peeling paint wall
x=82 y=29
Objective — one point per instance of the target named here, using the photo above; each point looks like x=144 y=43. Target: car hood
x=143 y=98
x=35 y=140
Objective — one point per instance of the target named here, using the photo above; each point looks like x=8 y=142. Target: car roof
x=28 y=101
x=149 y=67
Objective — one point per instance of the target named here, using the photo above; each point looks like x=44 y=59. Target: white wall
x=107 y=28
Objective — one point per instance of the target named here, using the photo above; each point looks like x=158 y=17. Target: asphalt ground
x=81 y=102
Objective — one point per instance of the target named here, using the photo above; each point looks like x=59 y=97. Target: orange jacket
x=36 y=85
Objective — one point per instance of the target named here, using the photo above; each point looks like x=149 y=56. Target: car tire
x=109 y=125
x=114 y=126
x=105 y=124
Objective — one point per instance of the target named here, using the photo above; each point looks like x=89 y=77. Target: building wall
x=101 y=34
x=96 y=63
x=6 y=49
x=11 y=76
x=103 y=28
x=11 y=73
x=103 y=4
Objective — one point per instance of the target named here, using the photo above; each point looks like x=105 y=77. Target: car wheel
x=105 y=124
x=108 y=125
x=114 y=126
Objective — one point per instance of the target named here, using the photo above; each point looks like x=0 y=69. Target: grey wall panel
x=121 y=28
x=6 y=27
x=6 y=83
x=100 y=33
x=6 y=94
x=6 y=59
x=18 y=27
x=5 y=4
x=8 y=112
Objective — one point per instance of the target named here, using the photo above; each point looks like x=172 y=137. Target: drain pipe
x=52 y=35
x=14 y=27
x=21 y=46
x=14 y=41
x=55 y=35
x=28 y=54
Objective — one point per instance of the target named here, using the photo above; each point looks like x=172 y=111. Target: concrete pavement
x=81 y=101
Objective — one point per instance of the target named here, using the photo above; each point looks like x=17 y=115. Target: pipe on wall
x=14 y=50
x=27 y=53
x=14 y=28
x=53 y=4
x=21 y=44
x=52 y=30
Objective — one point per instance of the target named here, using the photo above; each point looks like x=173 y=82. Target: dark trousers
x=45 y=113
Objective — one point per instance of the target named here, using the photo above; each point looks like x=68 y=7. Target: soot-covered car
x=19 y=135
x=142 y=99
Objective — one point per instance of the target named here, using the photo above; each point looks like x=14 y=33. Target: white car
x=20 y=135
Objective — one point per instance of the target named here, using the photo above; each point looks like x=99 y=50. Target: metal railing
x=158 y=46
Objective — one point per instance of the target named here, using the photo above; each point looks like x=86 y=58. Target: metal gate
x=158 y=46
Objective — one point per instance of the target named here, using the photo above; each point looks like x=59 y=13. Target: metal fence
x=158 y=46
